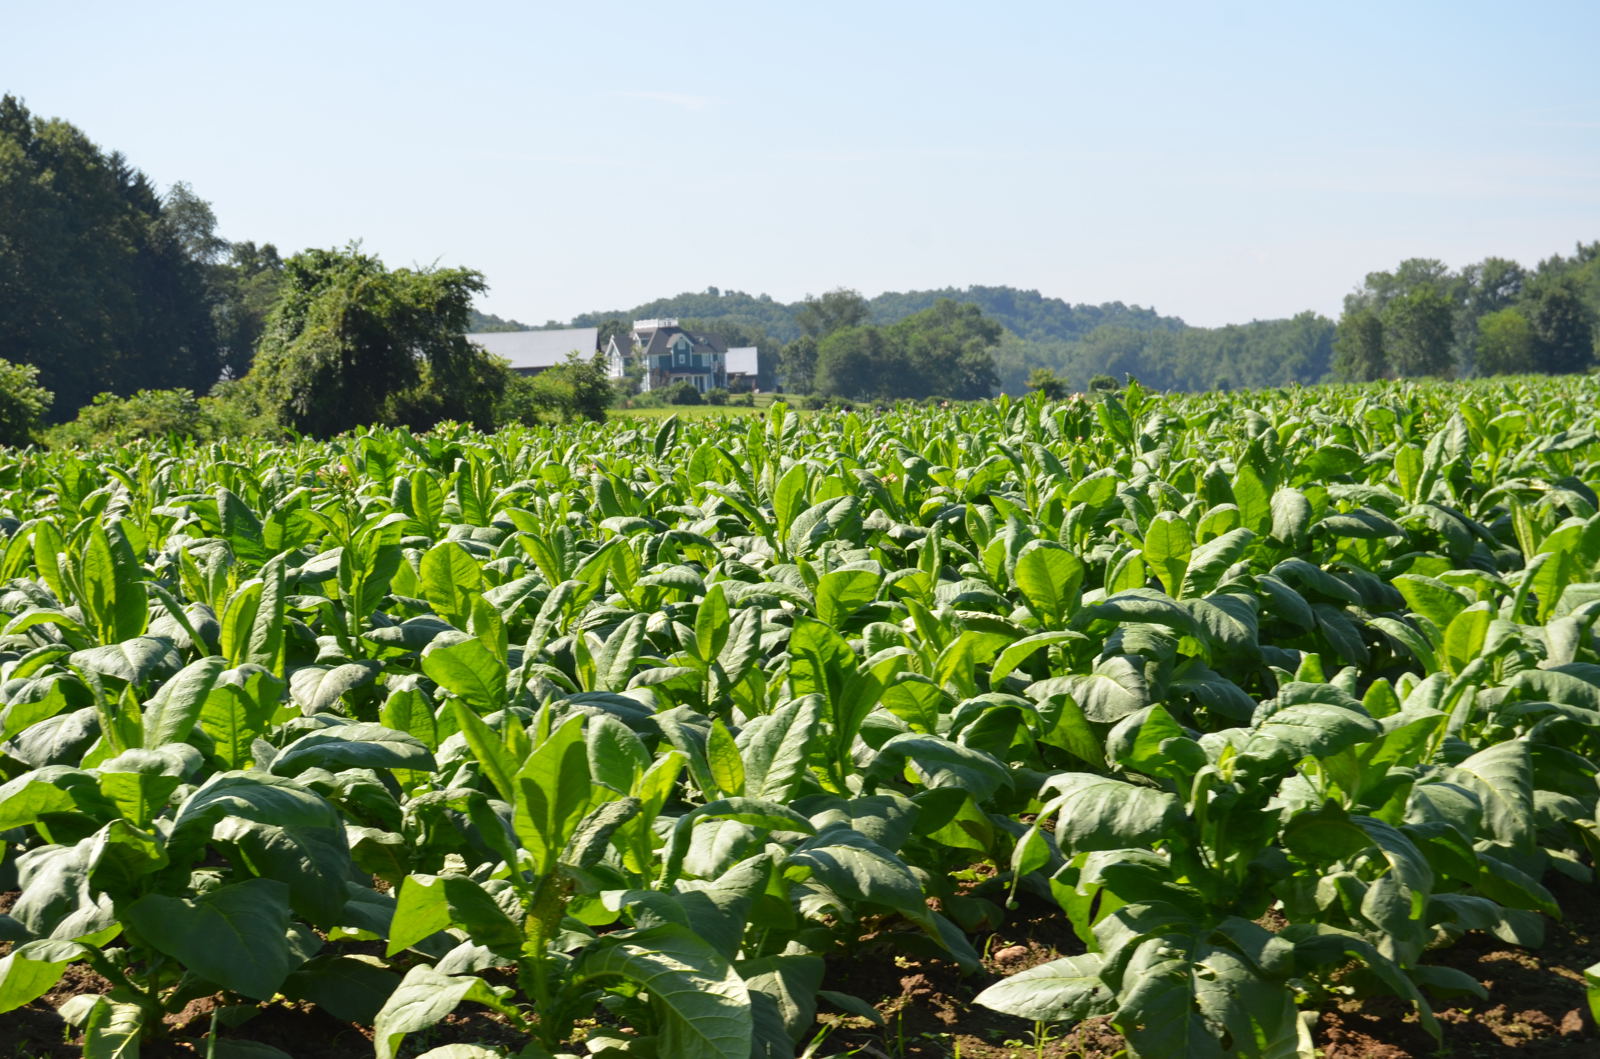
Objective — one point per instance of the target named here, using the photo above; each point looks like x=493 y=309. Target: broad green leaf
x=463 y=665
x=775 y=747
x=1064 y=990
x=114 y=597
x=1501 y=776
x=451 y=580
x=422 y=999
x=172 y=712
x=1168 y=543
x=370 y=746
x=938 y=762
x=134 y=660
x=32 y=969
x=320 y=689
x=489 y=748
x=553 y=791
x=843 y=592
x=711 y=624
x=838 y=518
x=702 y=1006
x=235 y=935
x=111 y=1030
x=1431 y=598
x=1465 y=636
x=1050 y=579
x=430 y=903
x=266 y=645
x=722 y=755
x=1291 y=517
x=1098 y=812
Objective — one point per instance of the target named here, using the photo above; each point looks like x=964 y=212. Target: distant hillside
x=1077 y=341
x=480 y=323
x=747 y=311
x=1026 y=313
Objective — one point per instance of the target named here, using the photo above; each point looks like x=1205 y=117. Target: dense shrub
x=162 y=413
x=578 y=389
x=682 y=393
x=23 y=402
x=1047 y=382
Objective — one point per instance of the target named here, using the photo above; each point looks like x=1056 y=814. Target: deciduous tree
x=100 y=285
x=1563 y=327
x=1505 y=343
x=351 y=343
x=1418 y=329
x=1358 y=346
x=23 y=403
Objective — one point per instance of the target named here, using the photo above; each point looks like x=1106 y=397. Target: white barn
x=530 y=352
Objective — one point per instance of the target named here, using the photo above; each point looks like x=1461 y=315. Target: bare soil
x=1538 y=1007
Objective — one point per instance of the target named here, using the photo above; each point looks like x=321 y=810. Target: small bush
x=23 y=403
x=113 y=420
x=1047 y=382
x=716 y=395
x=578 y=389
x=682 y=393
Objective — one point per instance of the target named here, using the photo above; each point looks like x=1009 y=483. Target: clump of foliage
x=716 y=395
x=23 y=403
x=580 y=389
x=681 y=393
x=351 y=344
x=110 y=419
x=149 y=414
x=1491 y=318
x=102 y=280
x=946 y=348
x=1048 y=383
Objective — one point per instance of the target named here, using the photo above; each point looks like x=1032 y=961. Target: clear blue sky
x=1220 y=162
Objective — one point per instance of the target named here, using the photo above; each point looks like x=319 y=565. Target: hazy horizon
x=1240 y=162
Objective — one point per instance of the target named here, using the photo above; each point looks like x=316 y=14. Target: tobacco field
x=628 y=738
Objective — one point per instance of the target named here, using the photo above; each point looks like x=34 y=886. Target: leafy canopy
x=352 y=343
x=23 y=402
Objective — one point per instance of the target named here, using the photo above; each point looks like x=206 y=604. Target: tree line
x=1491 y=318
x=1422 y=318
x=123 y=310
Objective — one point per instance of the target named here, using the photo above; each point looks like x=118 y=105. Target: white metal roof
x=538 y=349
x=741 y=360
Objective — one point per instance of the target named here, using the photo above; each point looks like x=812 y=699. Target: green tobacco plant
x=631 y=733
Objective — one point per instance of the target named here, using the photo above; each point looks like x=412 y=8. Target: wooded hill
x=1423 y=318
x=1076 y=341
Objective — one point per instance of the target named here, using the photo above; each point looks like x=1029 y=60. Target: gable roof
x=741 y=360
x=538 y=349
x=654 y=340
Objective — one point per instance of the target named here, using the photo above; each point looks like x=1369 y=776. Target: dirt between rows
x=1537 y=1007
